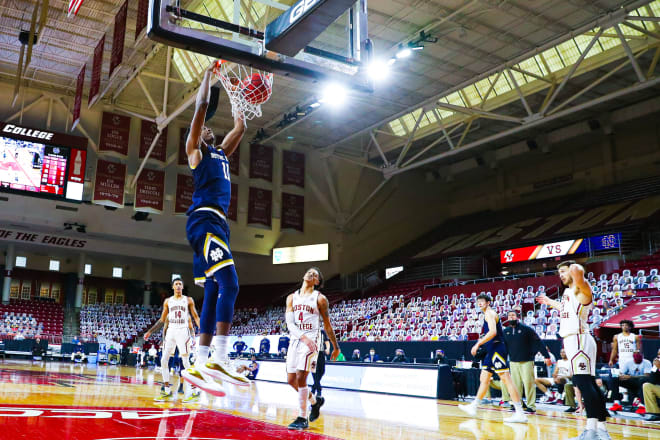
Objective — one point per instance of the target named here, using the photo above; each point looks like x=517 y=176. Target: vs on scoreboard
x=42 y=162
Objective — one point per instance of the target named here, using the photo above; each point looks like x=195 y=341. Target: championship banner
x=234 y=162
x=97 y=66
x=261 y=162
x=183 y=137
x=233 y=203
x=293 y=212
x=185 y=186
x=150 y=191
x=142 y=17
x=115 y=130
x=77 y=102
x=109 y=184
x=147 y=133
x=260 y=204
x=118 y=37
x=293 y=168
x=644 y=314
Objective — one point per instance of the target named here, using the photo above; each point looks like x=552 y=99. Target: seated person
x=560 y=377
x=372 y=356
x=239 y=346
x=250 y=370
x=632 y=376
x=78 y=354
x=356 y=356
x=38 y=350
x=153 y=353
x=439 y=357
x=651 y=391
x=399 y=356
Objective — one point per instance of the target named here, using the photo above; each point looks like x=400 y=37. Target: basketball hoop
x=246 y=87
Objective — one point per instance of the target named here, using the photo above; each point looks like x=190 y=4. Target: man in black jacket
x=523 y=344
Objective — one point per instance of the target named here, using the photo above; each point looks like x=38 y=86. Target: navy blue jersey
x=264 y=346
x=499 y=337
x=212 y=181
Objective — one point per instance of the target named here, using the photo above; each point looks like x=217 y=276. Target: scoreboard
x=42 y=163
x=561 y=248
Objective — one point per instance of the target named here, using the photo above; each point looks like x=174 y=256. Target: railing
x=491 y=279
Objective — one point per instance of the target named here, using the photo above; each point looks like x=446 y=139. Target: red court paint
x=38 y=422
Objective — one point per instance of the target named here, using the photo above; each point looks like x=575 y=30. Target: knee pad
x=207 y=319
x=227 y=281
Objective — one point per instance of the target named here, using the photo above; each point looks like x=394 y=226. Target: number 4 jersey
x=306 y=314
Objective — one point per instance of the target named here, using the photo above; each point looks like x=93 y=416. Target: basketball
x=256 y=89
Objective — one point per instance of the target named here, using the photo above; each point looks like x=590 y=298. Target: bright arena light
x=378 y=70
x=334 y=95
x=403 y=52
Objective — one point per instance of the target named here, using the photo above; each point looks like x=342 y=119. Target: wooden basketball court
x=71 y=401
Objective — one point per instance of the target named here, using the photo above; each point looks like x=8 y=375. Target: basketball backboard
x=241 y=31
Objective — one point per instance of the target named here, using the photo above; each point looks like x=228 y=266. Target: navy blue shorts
x=208 y=234
x=496 y=358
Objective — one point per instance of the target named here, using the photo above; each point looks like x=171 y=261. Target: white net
x=246 y=87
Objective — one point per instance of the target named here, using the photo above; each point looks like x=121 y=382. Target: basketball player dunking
x=495 y=362
x=208 y=234
x=579 y=345
x=304 y=307
x=177 y=311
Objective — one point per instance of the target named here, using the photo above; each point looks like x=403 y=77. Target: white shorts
x=298 y=357
x=178 y=338
x=581 y=353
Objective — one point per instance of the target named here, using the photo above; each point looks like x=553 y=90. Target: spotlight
x=315 y=104
x=403 y=52
x=300 y=112
x=378 y=70
x=334 y=94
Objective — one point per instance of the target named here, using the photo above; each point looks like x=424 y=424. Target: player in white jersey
x=177 y=311
x=304 y=309
x=625 y=344
x=579 y=345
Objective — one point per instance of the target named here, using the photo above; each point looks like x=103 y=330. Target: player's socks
x=518 y=407
x=202 y=355
x=222 y=348
x=312 y=398
x=302 y=401
x=592 y=424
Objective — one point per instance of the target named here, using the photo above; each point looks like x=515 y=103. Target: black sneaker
x=316 y=408
x=299 y=424
x=570 y=409
x=529 y=410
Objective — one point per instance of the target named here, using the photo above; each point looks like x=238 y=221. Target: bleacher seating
x=411 y=312
x=118 y=323
x=31 y=319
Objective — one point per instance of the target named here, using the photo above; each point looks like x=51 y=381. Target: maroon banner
x=109 y=183
x=147 y=133
x=115 y=130
x=233 y=203
x=185 y=186
x=234 y=162
x=78 y=100
x=183 y=137
x=97 y=66
x=150 y=191
x=293 y=212
x=118 y=37
x=142 y=17
x=260 y=204
x=293 y=168
x=261 y=162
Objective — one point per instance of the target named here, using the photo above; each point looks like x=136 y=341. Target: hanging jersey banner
x=115 y=130
x=109 y=184
x=185 y=186
x=150 y=190
x=293 y=212
x=293 y=168
x=260 y=204
x=261 y=162
x=148 y=132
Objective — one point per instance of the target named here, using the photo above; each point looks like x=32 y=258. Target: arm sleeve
x=291 y=325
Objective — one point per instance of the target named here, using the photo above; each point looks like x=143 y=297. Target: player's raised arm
x=233 y=139
x=193 y=311
x=583 y=291
x=548 y=302
x=161 y=321
x=322 y=304
x=201 y=104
